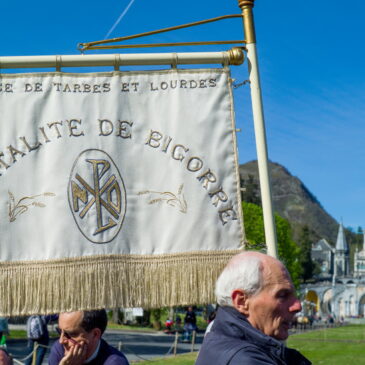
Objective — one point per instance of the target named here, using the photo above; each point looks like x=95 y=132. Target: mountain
x=291 y=200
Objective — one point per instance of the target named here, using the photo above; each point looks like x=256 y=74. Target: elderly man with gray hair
x=257 y=305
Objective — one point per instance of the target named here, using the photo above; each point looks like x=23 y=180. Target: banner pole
x=234 y=56
x=259 y=125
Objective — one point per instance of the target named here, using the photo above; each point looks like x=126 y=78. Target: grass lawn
x=130 y=327
x=188 y=359
x=332 y=346
x=16 y=334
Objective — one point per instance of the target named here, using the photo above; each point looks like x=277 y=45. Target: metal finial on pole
x=246 y=7
x=259 y=125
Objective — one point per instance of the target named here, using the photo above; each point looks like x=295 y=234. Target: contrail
x=119 y=19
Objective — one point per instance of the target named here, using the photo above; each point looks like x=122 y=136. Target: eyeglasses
x=67 y=335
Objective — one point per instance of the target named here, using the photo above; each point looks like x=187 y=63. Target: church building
x=359 y=261
x=338 y=290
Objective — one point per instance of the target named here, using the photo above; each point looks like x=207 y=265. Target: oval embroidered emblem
x=97 y=196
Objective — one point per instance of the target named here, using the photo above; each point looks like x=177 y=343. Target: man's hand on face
x=76 y=355
x=4 y=358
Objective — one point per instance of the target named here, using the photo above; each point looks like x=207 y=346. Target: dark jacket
x=190 y=317
x=107 y=355
x=232 y=340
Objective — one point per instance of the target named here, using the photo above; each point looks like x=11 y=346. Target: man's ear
x=96 y=332
x=240 y=301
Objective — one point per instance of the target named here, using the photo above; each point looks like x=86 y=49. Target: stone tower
x=342 y=258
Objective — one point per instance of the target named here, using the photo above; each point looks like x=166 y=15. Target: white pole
x=262 y=154
x=259 y=125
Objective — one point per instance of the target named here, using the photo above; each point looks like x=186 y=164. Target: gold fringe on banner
x=110 y=281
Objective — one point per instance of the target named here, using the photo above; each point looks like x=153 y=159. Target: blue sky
x=311 y=65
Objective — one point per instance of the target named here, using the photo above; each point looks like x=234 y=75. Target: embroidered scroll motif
x=23 y=204
x=171 y=199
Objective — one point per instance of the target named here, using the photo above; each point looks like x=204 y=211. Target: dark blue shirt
x=107 y=355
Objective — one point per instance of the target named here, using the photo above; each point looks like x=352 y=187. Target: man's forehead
x=279 y=284
x=73 y=319
x=275 y=273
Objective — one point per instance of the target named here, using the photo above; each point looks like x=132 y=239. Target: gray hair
x=243 y=273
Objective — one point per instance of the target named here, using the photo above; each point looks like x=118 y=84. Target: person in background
x=178 y=324
x=80 y=341
x=168 y=324
x=38 y=337
x=189 y=323
x=257 y=304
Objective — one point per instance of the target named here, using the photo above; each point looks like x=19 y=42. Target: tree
x=305 y=259
x=360 y=236
x=255 y=235
x=156 y=316
x=254 y=224
x=288 y=250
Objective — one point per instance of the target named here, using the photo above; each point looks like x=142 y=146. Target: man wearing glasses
x=81 y=343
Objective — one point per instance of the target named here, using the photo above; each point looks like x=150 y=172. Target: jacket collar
x=234 y=324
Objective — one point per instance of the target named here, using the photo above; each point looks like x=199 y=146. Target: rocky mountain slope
x=291 y=200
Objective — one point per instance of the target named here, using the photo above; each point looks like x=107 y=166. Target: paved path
x=135 y=345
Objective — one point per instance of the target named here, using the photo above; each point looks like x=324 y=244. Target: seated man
x=81 y=343
x=257 y=305
x=4 y=358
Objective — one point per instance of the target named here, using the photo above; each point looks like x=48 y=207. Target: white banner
x=105 y=175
